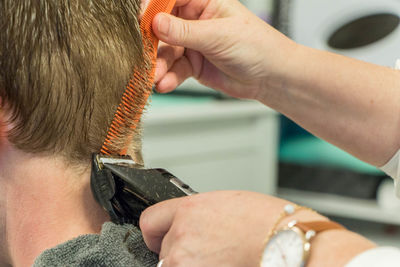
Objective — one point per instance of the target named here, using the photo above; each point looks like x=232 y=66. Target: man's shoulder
x=116 y=245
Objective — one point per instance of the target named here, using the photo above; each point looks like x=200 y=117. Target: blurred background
x=214 y=142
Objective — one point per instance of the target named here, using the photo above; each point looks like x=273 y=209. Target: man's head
x=64 y=65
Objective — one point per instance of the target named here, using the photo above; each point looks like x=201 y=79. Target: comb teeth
x=152 y=10
x=139 y=87
x=127 y=115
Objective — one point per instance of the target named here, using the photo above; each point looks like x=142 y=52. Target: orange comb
x=128 y=114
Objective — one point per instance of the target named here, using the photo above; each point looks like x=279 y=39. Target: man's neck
x=47 y=204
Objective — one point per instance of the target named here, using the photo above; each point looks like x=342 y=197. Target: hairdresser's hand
x=214 y=229
x=221 y=44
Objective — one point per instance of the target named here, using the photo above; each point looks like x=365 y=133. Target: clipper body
x=124 y=189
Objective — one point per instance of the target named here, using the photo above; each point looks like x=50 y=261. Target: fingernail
x=163 y=25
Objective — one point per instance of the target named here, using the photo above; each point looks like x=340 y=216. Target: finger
x=167 y=55
x=176 y=239
x=156 y=221
x=180 y=71
x=166 y=246
x=199 y=3
x=194 y=10
x=186 y=33
x=175 y=11
x=196 y=59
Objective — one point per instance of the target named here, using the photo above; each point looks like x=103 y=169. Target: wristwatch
x=290 y=246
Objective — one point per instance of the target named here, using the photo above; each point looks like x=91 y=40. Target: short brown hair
x=64 y=65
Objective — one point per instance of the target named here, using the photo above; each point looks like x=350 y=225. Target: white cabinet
x=214 y=145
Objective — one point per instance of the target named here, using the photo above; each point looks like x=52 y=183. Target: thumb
x=156 y=221
x=175 y=31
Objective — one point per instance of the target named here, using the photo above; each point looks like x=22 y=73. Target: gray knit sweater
x=117 y=245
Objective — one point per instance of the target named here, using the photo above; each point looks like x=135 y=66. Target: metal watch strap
x=318 y=226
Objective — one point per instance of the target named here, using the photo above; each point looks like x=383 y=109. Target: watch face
x=285 y=249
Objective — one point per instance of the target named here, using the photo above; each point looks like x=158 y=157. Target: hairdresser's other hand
x=229 y=229
x=210 y=229
x=221 y=44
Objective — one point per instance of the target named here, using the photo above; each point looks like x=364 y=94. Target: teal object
x=314 y=151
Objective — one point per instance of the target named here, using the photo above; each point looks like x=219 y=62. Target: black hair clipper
x=124 y=188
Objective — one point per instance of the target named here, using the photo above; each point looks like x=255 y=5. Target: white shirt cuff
x=397 y=66
x=392 y=168
x=377 y=257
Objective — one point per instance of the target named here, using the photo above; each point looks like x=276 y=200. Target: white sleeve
x=377 y=257
x=392 y=168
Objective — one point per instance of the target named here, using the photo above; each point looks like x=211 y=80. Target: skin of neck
x=43 y=203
